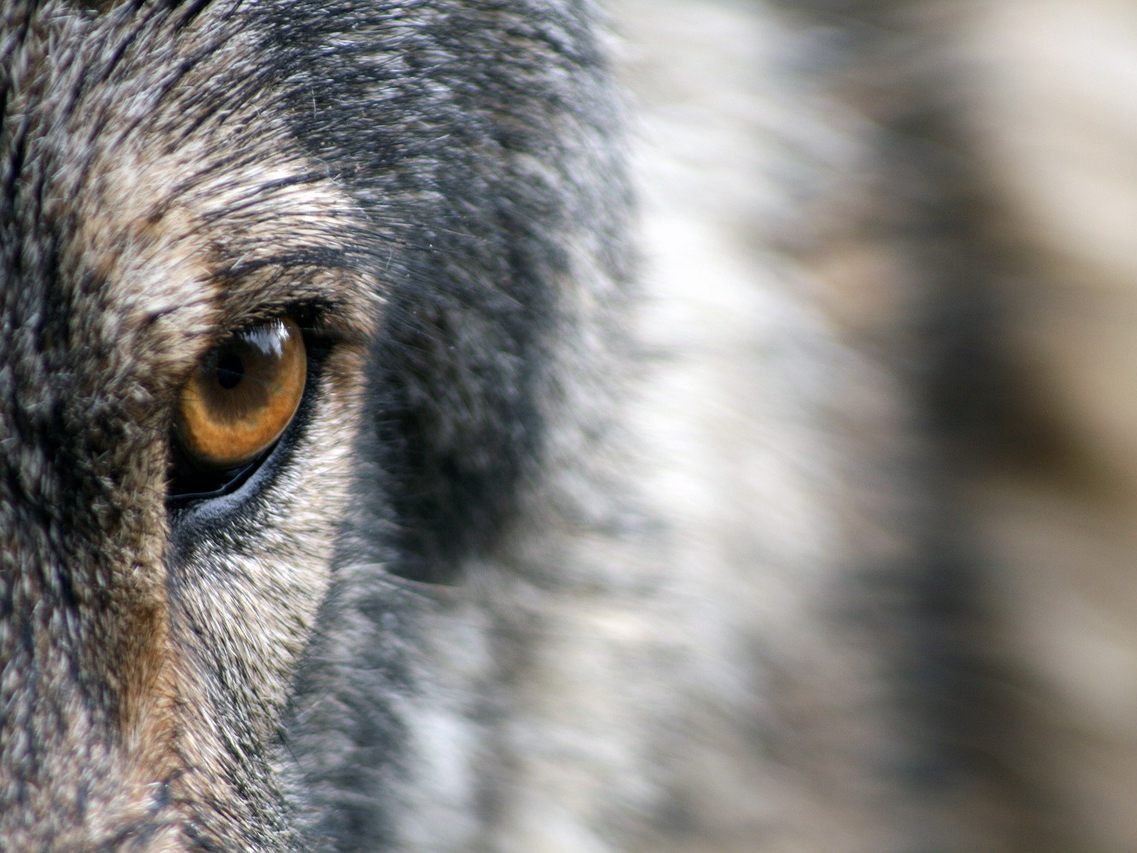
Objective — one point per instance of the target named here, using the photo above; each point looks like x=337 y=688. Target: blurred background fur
x=936 y=201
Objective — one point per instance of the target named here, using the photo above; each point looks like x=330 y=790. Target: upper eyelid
x=316 y=320
x=344 y=300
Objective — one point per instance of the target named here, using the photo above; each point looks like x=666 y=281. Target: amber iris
x=242 y=395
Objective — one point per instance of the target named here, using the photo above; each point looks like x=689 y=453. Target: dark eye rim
x=202 y=484
x=231 y=479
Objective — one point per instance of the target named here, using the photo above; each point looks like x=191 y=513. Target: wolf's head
x=279 y=284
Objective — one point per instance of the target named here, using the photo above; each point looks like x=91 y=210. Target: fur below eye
x=242 y=396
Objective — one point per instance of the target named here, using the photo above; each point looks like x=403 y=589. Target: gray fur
x=656 y=486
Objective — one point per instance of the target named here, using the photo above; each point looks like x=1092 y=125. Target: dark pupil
x=230 y=370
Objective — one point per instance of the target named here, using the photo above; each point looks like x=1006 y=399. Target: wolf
x=533 y=425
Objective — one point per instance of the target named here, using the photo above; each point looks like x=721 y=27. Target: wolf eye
x=242 y=396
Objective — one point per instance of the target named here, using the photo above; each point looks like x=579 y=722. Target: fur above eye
x=242 y=396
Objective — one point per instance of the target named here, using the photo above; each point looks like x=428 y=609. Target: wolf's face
x=151 y=214
x=273 y=286
x=351 y=498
